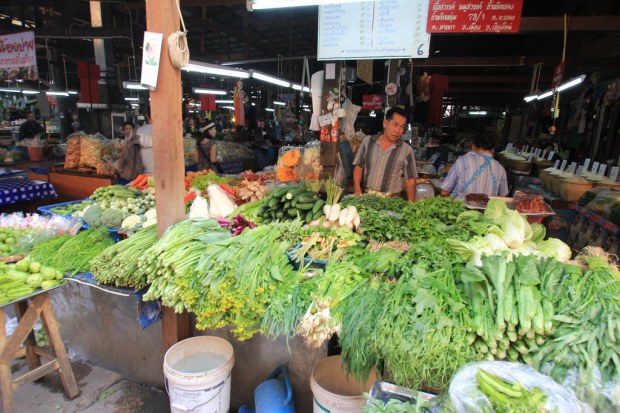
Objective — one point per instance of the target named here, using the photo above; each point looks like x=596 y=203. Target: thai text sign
x=18 y=59
x=468 y=16
x=372 y=102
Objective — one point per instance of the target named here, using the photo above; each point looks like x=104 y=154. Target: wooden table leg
x=66 y=372
x=32 y=358
x=6 y=379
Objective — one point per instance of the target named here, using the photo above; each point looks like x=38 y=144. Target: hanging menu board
x=373 y=29
x=468 y=16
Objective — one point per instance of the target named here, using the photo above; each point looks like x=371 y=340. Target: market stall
x=483 y=283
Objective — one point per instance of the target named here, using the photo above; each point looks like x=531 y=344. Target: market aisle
x=102 y=391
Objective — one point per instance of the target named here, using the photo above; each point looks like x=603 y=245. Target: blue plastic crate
x=318 y=264
x=47 y=209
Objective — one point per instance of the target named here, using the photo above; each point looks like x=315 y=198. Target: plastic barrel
x=204 y=391
x=35 y=153
x=333 y=391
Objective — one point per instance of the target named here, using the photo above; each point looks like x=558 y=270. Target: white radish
x=327 y=224
x=351 y=215
x=326 y=210
x=356 y=220
x=342 y=219
x=350 y=226
x=315 y=222
x=334 y=213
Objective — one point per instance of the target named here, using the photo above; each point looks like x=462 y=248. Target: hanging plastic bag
x=199 y=208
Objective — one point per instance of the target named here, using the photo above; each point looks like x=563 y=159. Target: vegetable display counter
x=73 y=184
x=99 y=325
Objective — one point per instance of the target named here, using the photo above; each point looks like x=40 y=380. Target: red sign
x=558 y=75
x=372 y=102
x=467 y=16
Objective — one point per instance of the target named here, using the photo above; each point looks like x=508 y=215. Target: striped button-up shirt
x=467 y=176
x=384 y=169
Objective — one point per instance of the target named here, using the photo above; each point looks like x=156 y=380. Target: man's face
x=30 y=117
x=127 y=129
x=395 y=127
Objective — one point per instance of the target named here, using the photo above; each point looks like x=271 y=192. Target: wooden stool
x=24 y=334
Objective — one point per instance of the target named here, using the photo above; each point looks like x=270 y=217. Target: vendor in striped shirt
x=476 y=172
x=383 y=160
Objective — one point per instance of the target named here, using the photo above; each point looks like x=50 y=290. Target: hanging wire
x=177 y=44
x=64 y=65
x=133 y=49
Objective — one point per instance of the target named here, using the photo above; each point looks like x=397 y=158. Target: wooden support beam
x=163 y=17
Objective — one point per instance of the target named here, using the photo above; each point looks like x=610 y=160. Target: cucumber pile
x=291 y=202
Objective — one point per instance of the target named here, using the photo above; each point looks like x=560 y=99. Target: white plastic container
x=197 y=372
x=333 y=391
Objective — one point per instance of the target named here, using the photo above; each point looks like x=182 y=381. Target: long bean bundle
x=72 y=254
x=118 y=264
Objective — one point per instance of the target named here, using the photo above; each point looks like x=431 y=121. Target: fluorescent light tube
x=9 y=90
x=545 y=95
x=300 y=87
x=253 y=104
x=30 y=92
x=224 y=101
x=133 y=85
x=199 y=67
x=478 y=113
x=72 y=92
x=571 y=83
x=270 y=79
x=203 y=91
x=56 y=93
x=530 y=98
x=270 y=109
x=130 y=99
x=307 y=110
x=277 y=102
x=229 y=107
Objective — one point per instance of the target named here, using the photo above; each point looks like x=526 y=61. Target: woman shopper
x=206 y=152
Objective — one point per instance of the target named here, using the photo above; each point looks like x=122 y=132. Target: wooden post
x=162 y=16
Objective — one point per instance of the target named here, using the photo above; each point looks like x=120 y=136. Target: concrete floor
x=101 y=391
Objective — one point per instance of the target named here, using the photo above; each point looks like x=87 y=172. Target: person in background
x=128 y=130
x=30 y=128
x=206 y=152
x=77 y=130
x=382 y=160
x=476 y=172
x=145 y=137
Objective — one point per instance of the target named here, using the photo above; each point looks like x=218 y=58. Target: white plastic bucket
x=333 y=391
x=203 y=391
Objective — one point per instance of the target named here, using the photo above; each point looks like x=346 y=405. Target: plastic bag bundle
x=311 y=161
x=72 y=157
x=604 y=202
x=466 y=396
x=111 y=152
x=288 y=163
x=90 y=151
